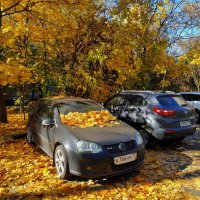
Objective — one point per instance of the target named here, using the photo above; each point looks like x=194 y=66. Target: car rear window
x=171 y=101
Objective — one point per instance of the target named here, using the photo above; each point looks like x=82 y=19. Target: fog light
x=88 y=168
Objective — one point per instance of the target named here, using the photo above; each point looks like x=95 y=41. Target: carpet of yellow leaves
x=92 y=118
x=16 y=124
x=27 y=173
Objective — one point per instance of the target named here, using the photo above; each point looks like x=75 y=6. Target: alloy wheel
x=60 y=161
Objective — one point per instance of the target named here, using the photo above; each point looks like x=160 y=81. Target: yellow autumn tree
x=190 y=61
x=145 y=48
x=91 y=48
x=12 y=68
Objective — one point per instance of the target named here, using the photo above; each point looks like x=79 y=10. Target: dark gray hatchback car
x=89 y=152
x=157 y=115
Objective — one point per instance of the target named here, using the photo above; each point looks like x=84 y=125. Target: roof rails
x=147 y=91
x=165 y=91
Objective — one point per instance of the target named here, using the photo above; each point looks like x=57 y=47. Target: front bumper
x=101 y=165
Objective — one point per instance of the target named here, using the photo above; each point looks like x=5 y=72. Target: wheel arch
x=66 y=173
x=57 y=143
x=197 y=115
x=197 y=110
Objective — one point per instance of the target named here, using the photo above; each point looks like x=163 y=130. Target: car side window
x=116 y=101
x=50 y=113
x=135 y=101
x=32 y=107
x=191 y=97
x=44 y=111
x=196 y=98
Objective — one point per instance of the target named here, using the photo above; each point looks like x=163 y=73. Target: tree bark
x=3 y=113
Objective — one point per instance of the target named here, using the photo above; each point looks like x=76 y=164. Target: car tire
x=29 y=137
x=197 y=114
x=61 y=162
x=152 y=142
x=179 y=139
x=145 y=136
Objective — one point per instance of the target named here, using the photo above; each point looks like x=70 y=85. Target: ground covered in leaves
x=170 y=172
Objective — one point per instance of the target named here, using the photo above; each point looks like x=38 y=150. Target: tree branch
x=11 y=13
x=15 y=4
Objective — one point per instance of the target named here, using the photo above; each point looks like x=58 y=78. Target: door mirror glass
x=47 y=122
x=102 y=103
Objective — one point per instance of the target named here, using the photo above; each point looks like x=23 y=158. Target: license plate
x=125 y=159
x=185 y=123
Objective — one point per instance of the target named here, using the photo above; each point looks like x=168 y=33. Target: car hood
x=105 y=135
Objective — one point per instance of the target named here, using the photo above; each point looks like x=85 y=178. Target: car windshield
x=85 y=114
x=171 y=101
x=79 y=106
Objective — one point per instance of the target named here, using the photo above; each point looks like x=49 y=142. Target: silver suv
x=157 y=115
x=193 y=98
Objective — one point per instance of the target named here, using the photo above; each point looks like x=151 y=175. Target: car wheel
x=145 y=136
x=197 y=115
x=29 y=137
x=61 y=162
x=152 y=142
x=179 y=139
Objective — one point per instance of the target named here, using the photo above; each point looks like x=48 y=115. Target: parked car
x=157 y=115
x=193 y=98
x=90 y=152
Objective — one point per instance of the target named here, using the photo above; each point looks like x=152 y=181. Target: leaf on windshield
x=92 y=118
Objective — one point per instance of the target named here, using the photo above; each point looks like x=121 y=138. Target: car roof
x=189 y=93
x=68 y=99
x=147 y=92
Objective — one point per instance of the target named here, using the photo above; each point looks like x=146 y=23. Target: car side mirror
x=47 y=122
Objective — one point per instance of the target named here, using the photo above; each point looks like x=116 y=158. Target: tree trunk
x=3 y=114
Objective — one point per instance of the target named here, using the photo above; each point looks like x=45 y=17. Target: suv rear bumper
x=175 y=133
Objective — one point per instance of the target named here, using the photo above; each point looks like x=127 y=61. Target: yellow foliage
x=14 y=74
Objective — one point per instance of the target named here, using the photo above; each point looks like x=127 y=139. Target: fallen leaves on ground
x=92 y=118
x=16 y=125
x=168 y=173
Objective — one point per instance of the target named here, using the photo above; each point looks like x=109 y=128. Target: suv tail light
x=164 y=112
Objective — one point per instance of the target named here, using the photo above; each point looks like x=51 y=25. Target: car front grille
x=114 y=148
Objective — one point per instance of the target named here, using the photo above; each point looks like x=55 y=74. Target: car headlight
x=85 y=146
x=138 y=138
